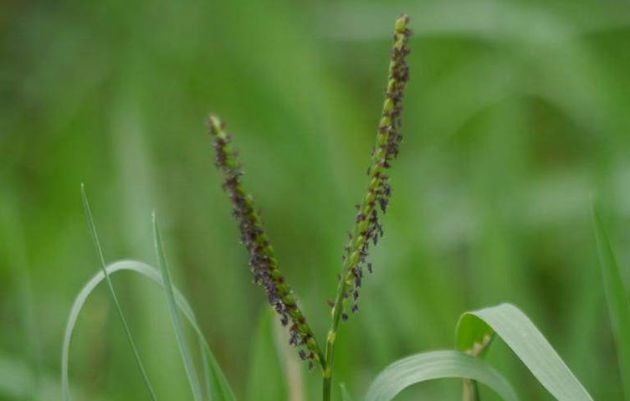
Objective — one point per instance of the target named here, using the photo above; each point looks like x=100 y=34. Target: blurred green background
x=517 y=115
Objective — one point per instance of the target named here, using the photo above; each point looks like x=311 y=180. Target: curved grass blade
x=437 y=365
x=64 y=380
x=475 y=338
x=475 y=329
x=616 y=297
x=221 y=390
x=207 y=381
x=180 y=334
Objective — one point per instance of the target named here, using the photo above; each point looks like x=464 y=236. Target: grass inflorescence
x=367 y=231
x=262 y=260
x=368 y=228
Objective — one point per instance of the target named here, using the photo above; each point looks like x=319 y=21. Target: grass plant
x=476 y=331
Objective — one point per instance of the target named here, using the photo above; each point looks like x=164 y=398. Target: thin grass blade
x=616 y=298
x=180 y=334
x=65 y=387
x=219 y=387
x=527 y=342
x=221 y=390
x=207 y=379
x=437 y=365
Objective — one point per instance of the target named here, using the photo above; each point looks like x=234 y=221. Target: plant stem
x=327 y=388
x=330 y=342
x=470 y=392
x=367 y=229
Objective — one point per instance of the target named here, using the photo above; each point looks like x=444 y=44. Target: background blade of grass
x=436 y=365
x=221 y=388
x=267 y=375
x=616 y=297
x=207 y=376
x=527 y=342
x=15 y=248
x=345 y=394
x=180 y=334
x=92 y=227
x=17 y=379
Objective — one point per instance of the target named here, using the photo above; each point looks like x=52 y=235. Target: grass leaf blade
x=528 y=343
x=437 y=365
x=180 y=334
x=221 y=388
x=616 y=298
x=65 y=386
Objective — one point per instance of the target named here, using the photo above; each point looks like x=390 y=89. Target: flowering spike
x=368 y=229
x=262 y=260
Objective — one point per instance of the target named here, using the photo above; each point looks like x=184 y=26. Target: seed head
x=262 y=260
x=368 y=229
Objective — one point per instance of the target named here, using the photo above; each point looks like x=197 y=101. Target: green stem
x=385 y=150
x=470 y=393
x=330 y=342
x=327 y=388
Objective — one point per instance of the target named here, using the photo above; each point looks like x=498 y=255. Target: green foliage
x=616 y=297
x=182 y=341
x=475 y=329
x=112 y=291
x=437 y=365
x=221 y=390
x=345 y=394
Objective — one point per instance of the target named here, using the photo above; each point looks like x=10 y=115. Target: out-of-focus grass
x=516 y=114
x=616 y=298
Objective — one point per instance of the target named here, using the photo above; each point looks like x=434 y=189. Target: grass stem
x=367 y=228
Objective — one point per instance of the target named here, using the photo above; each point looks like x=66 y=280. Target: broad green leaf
x=180 y=334
x=522 y=336
x=437 y=365
x=617 y=299
x=92 y=226
x=267 y=378
x=220 y=388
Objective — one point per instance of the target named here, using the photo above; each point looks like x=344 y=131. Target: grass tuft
x=65 y=388
x=220 y=389
x=616 y=298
